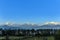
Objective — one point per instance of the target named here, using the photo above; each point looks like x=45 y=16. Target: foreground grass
x=27 y=38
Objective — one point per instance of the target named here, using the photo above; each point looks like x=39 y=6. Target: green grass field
x=27 y=38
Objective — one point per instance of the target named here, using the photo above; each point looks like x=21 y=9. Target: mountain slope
x=30 y=26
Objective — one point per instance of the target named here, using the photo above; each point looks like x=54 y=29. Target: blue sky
x=34 y=11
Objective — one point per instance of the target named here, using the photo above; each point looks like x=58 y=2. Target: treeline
x=32 y=32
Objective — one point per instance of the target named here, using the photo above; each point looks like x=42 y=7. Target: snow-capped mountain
x=48 y=25
x=18 y=26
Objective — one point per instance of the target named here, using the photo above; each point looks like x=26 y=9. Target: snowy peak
x=52 y=23
x=31 y=24
x=47 y=25
x=9 y=23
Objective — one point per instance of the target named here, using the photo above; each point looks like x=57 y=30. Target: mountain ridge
x=51 y=25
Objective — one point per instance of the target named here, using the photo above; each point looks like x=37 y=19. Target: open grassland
x=26 y=38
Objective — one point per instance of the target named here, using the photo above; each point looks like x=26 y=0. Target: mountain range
x=49 y=25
